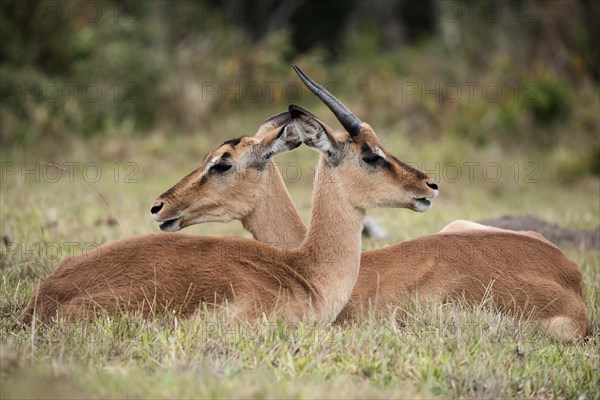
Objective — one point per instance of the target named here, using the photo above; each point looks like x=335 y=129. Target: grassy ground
x=449 y=350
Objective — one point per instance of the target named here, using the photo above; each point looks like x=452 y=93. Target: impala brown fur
x=164 y=272
x=461 y=225
x=160 y=272
x=225 y=195
x=521 y=273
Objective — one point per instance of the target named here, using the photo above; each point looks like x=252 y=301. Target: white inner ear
x=313 y=135
x=209 y=166
x=322 y=142
x=283 y=143
x=279 y=145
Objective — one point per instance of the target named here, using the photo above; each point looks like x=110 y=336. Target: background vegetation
x=497 y=100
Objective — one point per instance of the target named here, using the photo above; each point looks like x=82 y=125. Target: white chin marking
x=170 y=225
x=422 y=206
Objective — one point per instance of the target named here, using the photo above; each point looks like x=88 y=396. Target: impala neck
x=333 y=243
x=275 y=219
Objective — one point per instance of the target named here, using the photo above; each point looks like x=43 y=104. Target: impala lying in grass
x=520 y=273
x=165 y=272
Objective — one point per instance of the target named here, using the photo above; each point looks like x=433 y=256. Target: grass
x=450 y=350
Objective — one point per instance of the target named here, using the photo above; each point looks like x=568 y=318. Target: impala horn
x=349 y=121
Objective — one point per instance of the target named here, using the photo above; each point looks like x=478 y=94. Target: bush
x=548 y=101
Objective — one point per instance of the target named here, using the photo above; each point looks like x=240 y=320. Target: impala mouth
x=170 y=225
x=421 y=203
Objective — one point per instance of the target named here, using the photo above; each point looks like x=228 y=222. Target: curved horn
x=349 y=121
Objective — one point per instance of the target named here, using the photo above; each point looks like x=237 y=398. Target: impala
x=164 y=272
x=461 y=225
x=521 y=273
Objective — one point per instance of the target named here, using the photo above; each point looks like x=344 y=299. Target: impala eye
x=371 y=158
x=220 y=167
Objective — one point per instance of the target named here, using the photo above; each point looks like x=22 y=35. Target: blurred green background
x=520 y=75
x=496 y=100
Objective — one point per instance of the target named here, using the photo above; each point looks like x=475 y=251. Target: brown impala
x=521 y=273
x=164 y=272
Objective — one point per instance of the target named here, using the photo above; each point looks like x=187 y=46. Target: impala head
x=227 y=184
x=368 y=173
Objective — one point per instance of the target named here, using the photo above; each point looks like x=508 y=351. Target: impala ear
x=314 y=132
x=273 y=124
x=286 y=138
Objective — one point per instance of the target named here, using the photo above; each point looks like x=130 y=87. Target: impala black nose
x=432 y=185
x=156 y=208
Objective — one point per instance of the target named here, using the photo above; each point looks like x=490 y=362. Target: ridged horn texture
x=349 y=121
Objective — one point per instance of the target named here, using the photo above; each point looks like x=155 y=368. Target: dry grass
x=449 y=350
